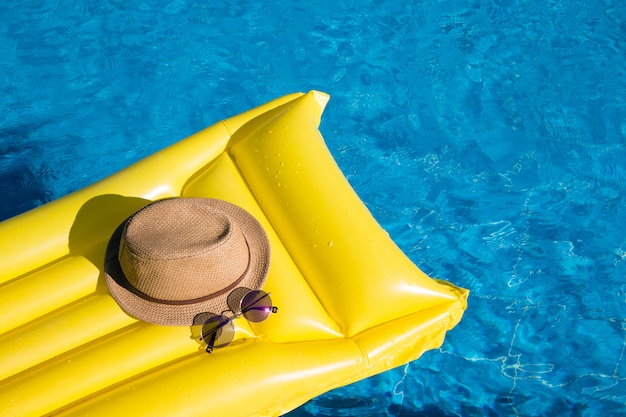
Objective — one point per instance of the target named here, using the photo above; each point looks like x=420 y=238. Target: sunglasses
x=219 y=330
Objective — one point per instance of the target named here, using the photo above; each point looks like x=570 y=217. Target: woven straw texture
x=177 y=258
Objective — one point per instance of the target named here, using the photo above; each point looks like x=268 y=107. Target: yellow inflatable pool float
x=351 y=303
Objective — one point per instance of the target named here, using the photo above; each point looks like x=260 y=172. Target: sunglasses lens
x=217 y=332
x=256 y=306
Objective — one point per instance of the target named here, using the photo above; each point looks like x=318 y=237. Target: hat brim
x=183 y=314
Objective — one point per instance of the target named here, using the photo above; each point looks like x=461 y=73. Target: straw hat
x=180 y=257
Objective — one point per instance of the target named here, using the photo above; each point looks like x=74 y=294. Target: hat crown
x=183 y=251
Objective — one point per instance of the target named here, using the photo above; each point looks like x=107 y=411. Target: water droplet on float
x=330 y=243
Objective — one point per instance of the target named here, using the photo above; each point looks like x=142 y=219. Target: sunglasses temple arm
x=211 y=342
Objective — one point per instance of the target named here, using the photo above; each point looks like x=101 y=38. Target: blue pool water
x=487 y=137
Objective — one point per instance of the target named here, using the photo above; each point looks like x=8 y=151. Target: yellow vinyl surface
x=351 y=304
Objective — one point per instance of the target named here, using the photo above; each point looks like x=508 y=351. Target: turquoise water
x=487 y=137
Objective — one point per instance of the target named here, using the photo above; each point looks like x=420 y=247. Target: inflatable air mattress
x=351 y=304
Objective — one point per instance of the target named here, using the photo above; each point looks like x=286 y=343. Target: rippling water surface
x=488 y=138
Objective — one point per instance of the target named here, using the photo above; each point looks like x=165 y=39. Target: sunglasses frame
x=224 y=320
